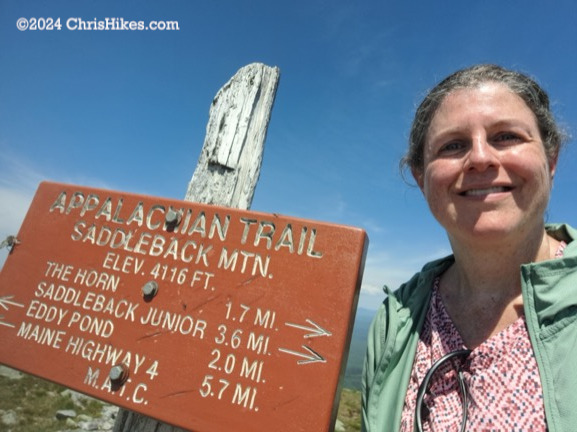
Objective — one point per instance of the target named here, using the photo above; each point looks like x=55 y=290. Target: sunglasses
x=463 y=354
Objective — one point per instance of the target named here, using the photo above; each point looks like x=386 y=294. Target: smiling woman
x=485 y=170
x=482 y=325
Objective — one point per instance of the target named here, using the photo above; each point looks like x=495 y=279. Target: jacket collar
x=550 y=287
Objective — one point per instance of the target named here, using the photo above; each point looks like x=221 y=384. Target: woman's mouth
x=485 y=191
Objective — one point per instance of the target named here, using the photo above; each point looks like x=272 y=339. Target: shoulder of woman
x=420 y=284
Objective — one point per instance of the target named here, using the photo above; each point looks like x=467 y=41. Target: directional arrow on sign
x=5 y=323
x=316 y=330
x=311 y=357
x=5 y=302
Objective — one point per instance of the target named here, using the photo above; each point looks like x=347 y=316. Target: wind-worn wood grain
x=228 y=167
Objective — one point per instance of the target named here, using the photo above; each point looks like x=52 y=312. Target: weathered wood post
x=228 y=167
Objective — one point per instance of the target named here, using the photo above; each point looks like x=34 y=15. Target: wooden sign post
x=204 y=317
x=229 y=164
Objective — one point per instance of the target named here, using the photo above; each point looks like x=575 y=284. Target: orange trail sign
x=204 y=317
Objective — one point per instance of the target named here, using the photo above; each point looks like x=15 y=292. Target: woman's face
x=485 y=168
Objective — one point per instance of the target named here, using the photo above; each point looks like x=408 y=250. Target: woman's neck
x=485 y=266
x=482 y=290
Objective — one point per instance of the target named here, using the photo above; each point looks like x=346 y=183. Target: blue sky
x=127 y=110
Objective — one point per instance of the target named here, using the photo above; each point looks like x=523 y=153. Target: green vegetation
x=350 y=410
x=36 y=402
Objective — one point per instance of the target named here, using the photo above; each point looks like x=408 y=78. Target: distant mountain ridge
x=354 y=369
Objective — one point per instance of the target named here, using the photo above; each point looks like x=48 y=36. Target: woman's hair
x=522 y=85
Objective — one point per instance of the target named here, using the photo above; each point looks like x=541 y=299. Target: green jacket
x=550 y=301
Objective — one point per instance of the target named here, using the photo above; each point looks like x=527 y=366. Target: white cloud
x=18 y=183
x=14 y=207
x=384 y=268
x=19 y=180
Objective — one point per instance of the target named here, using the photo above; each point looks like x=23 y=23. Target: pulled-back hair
x=521 y=85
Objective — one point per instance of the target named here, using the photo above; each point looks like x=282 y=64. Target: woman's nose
x=482 y=155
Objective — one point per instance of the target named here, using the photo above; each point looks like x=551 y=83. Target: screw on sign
x=172 y=219
x=118 y=374
x=149 y=289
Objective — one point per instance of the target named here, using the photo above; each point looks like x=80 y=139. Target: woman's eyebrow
x=459 y=129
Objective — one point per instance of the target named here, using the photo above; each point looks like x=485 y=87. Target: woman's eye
x=507 y=136
x=451 y=147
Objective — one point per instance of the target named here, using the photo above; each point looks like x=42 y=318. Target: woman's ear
x=418 y=176
x=553 y=166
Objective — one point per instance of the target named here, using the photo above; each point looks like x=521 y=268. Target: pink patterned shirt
x=501 y=375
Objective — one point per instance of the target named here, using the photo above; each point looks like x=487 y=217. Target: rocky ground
x=75 y=412
x=72 y=418
x=81 y=422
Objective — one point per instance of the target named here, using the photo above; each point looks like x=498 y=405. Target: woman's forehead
x=489 y=101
